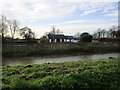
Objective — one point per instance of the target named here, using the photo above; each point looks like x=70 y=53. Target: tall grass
x=46 y=50
x=101 y=73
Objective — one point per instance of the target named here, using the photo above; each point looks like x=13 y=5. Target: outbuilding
x=59 y=38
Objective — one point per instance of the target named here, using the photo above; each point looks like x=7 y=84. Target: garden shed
x=59 y=38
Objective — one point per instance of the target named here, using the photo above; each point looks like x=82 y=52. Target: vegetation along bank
x=58 y=49
x=100 y=73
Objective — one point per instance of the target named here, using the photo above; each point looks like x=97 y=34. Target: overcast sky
x=70 y=16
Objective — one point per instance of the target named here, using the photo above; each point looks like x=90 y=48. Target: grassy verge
x=59 y=49
x=101 y=73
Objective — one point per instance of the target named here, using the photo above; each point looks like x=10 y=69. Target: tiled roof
x=52 y=36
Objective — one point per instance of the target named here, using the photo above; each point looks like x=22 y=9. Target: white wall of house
x=60 y=40
x=65 y=40
x=50 y=40
x=55 y=40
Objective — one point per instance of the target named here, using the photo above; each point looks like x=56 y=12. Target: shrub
x=85 y=37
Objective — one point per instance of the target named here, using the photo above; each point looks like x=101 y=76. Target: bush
x=85 y=37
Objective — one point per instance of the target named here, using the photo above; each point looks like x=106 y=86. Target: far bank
x=56 y=49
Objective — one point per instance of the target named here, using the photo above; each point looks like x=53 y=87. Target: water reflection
x=39 y=60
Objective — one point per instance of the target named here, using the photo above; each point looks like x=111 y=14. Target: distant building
x=59 y=38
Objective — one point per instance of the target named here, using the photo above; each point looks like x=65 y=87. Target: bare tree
x=114 y=29
x=3 y=26
x=27 y=33
x=111 y=33
x=99 y=32
x=58 y=31
x=103 y=32
x=46 y=33
x=77 y=35
x=118 y=28
x=55 y=31
x=13 y=26
x=108 y=34
x=118 y=33
x=95 y=35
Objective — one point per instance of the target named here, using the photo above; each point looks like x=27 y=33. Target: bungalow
x=59 y=38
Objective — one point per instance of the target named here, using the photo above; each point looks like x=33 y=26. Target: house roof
x=69 y=37
x=52 y=36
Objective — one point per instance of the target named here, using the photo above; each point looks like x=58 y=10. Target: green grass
x=101 y=73
x=61 y=49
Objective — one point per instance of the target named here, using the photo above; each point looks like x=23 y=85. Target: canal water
x=39 y=60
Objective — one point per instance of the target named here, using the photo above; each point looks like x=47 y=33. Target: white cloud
x=70 y=22
x=73 y=29
x=113 y=13
x=34 y=10
x=89 y=0
x=30 y=11
x=83 y=22
x=88 y=12
x=91 y=7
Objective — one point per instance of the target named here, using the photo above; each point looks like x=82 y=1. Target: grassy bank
x=59 y=49
x=101 y=73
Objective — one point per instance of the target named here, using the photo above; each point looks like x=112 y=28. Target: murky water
x=39 y=60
